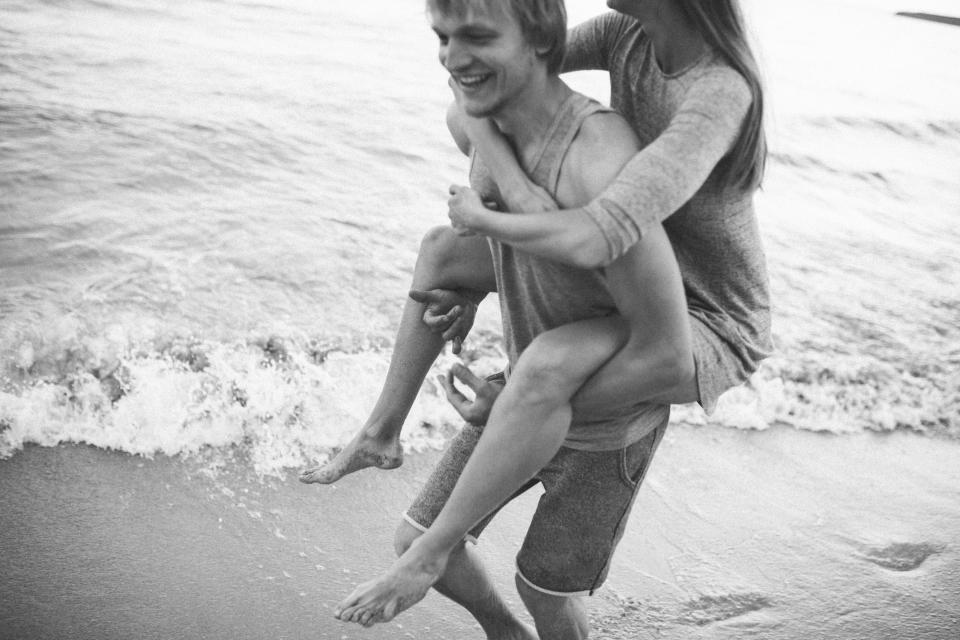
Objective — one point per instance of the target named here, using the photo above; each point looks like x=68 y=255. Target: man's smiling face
x=486 y=54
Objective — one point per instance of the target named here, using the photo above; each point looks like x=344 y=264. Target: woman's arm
x=654 y=184
x=569 y=236
x=589 y=43
x=482 y=136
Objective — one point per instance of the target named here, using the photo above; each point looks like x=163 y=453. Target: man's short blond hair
x=543 y=23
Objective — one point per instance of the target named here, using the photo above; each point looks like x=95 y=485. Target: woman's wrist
x=482 y=220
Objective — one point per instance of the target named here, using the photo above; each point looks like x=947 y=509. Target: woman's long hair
x=721 y=23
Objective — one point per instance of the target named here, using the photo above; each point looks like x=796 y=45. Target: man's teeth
x=472 y=81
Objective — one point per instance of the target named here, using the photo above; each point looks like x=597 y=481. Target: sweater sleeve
x=664 y=175
x=590 y=42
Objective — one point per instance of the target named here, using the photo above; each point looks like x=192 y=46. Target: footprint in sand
x=709 y=609
x=903 y=556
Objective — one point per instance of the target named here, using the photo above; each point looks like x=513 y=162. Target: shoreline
x=768 y=534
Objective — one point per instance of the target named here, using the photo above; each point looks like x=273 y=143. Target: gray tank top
x=537 y=294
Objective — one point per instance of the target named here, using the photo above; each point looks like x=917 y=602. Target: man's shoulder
x=603 y=144
x=604 y=132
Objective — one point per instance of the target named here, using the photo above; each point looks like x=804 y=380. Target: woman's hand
x=466 y=210
x=520 y=194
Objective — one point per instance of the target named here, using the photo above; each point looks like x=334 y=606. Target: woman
x=682 y=74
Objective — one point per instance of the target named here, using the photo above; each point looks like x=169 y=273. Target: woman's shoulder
x=713 y=79
x=615 y=21
x=610 y=27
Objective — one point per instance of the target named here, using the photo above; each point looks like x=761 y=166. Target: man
x=504 y=58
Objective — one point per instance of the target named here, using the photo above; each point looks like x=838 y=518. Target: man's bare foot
x=515 y=631
x=402 y=586
x=362 y=452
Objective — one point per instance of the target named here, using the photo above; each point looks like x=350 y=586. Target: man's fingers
x=454 y=397
x=455 y=330
x=424 y=297
x=441 y=322
x=463 y=405
x=464 y=375
x=457 y=345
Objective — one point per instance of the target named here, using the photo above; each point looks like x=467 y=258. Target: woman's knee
x=558 y=362
x=537 y=382
x=546 y=368
x=438 y=247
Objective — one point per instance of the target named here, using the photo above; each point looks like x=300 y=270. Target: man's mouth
x=471 y=81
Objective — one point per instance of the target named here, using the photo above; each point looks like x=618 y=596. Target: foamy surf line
x=274 y=403
x=281 y=403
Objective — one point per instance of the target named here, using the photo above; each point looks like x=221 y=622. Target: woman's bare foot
x=402 y=586
x=362 y=452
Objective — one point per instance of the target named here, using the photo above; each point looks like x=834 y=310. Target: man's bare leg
x=556 y=617
x=465 y=582
x=445 y=261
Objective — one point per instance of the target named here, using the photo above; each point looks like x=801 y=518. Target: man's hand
x=448 y=312
x=474 y=411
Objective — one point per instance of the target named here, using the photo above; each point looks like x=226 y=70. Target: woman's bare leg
x=445 y=261
x=656 y=363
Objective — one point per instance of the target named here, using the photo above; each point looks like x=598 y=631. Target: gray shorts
x=579 y=520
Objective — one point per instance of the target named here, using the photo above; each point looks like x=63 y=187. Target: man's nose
x=455 y=55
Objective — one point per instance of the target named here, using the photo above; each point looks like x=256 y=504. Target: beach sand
x=736 y=534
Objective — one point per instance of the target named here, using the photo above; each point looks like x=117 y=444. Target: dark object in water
x=931 y=17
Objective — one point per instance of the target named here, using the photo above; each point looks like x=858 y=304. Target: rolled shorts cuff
x=550 y=592
x=423 y=529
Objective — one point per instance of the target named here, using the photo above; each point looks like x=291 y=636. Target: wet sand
x=774 y=534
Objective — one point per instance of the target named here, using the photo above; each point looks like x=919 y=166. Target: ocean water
x=210 y=211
